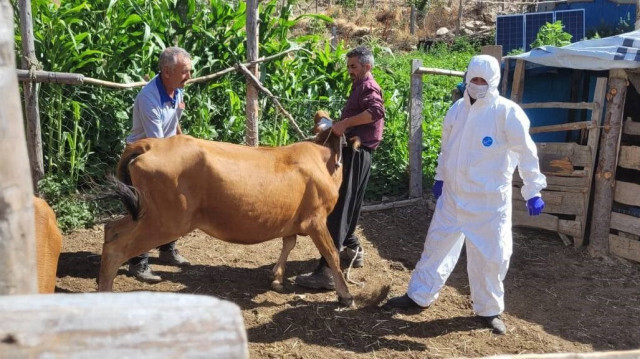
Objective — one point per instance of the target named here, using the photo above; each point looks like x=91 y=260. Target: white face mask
x=477 y=91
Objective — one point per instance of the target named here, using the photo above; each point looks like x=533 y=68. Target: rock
x=467 y=32
x=442 y=31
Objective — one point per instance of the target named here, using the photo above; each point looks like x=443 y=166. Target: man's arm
x=149 y=117
x=362 y=118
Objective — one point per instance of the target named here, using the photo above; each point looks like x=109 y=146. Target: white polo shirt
x=155 y=114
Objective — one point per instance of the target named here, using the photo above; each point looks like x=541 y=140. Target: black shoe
x=320 y=278
x=355 y=255
x=495 y=323
x=172 y=257
x=403 y=303
x=143 y=273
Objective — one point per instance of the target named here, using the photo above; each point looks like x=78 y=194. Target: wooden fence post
x=415 y=131
x=251 y=135
x=606 y=168
x=412 y=20
x=17 y=238
x=30 y=90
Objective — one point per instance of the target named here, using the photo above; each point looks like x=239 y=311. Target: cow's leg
x=288 y=243
x=322 y=239
x=125 y=239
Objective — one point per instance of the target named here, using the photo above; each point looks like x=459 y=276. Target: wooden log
x=517 y=88
x=17 y=237
x=415 y=131
x=625 y=248
x=606 y=169
x=251 y=110
x=627 y=193
x=266 y=91
x=121 y=325
x=30 y=91
x=629 y=157
x=434 y=71
x=566 y=105
x=397 y=204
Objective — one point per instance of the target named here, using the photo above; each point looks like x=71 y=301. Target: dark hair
x=363 y=53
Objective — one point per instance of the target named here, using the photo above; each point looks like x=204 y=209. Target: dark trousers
x=342 y=221
x=144 y=257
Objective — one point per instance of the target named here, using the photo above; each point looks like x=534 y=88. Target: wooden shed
x=575 y=97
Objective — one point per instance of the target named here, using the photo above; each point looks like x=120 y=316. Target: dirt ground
x=558 y=299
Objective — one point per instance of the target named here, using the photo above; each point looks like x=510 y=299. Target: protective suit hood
x=486 y=67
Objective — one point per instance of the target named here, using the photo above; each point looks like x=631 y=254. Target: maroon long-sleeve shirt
x=366 y=95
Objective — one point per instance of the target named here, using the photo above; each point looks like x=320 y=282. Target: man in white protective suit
x=484 y=137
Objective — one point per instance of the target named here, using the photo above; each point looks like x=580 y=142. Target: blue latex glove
x=535 y=205
x=437 y=189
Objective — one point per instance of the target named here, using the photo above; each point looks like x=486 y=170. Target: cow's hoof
x=277 y=286
x=346 y=302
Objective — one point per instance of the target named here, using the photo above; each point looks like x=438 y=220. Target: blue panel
x=533 y=22
x=510 y=32
x=573 y=21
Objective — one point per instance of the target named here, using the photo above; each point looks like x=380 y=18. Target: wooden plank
x=629 y=157
x=434 y=71
x=627 y=193
x=121 y=325
x=493 y=50
x=631 y=128
x=579 y=155
x=579 y=184
x=505 y=77
x=624 y=247
x=561 y=127
x=17 y=230
x=517 y=88
x=607 y=162
x=397 y=204
x=626 y=223
x=599 y=97
x=547 y=222
x=558 y=202
x=415 y=131
x=565 y=105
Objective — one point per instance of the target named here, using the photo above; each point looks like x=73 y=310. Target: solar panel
x=533 y=22
x=519 y=31
x=510 y=32
x=573 y=21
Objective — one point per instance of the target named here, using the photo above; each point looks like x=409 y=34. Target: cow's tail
x=122 y=187
x=127 y=194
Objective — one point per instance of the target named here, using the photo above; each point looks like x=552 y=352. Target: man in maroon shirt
x=362 y=116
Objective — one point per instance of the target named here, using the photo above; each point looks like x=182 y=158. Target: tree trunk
x=251 y=135
x=606 y=167
x=17 y=239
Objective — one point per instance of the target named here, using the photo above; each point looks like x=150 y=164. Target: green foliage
x=71 y=211
x=83 y=127
x=552 y=34
x=625 y=24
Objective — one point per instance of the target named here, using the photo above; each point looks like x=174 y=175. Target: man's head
x=175 y=67
x=482 y=76
x=359 y=63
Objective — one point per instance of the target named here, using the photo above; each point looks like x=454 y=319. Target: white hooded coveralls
x=481 y=146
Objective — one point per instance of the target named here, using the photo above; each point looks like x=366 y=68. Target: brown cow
x=48 y=245
x=235 y=193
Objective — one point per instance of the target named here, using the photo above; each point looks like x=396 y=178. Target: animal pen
x=590 y=156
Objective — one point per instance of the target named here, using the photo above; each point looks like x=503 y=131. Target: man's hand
x=535 y=205
x=437 y=189
x=339 y=127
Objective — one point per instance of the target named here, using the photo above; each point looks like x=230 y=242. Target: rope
x=360 y=284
